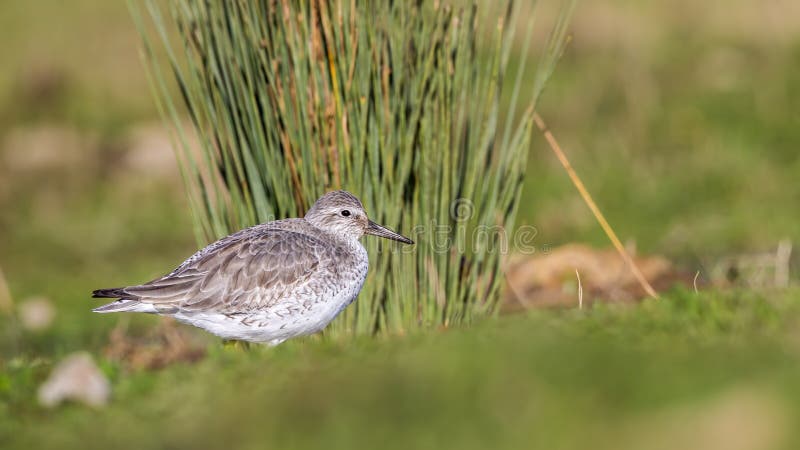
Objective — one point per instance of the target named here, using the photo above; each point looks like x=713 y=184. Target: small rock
x=76 y=378
x=36 y=314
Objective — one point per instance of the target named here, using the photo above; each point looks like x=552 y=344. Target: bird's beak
x=381 y=231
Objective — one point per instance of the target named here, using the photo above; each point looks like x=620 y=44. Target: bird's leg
x=236 y=345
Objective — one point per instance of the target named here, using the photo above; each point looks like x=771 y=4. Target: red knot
x=266 y=283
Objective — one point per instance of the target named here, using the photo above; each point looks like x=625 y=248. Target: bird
x=267 y=283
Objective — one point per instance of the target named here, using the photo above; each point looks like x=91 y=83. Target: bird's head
x=341 y=213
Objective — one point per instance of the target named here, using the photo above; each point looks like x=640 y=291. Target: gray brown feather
x=250 y=270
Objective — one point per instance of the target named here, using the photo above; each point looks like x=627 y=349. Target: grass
x=687 y=140
x=605 y=377
x=688 y=148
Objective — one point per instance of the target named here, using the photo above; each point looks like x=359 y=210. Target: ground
x=719 y=370
x=681 y=118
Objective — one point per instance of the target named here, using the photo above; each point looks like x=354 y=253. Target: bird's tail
x=125 y=302
x=110 y=293
x=119 y=306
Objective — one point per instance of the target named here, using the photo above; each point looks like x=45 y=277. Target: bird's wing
x=245 y=274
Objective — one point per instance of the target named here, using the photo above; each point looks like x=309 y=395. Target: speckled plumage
x=266 y=283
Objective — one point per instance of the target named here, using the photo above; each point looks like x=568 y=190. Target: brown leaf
x=164 y=345
x=549 y=279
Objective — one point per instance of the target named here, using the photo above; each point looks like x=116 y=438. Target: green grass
x=689 y=151
x=74 y=64
x=690 y=147
x=604 y=378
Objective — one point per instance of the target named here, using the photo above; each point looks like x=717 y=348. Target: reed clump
x=398 y=102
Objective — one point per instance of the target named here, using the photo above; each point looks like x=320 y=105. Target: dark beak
x=378 y=230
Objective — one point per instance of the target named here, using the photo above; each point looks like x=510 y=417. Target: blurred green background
x=682 y=117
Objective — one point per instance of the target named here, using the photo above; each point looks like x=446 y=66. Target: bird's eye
x=345 y=213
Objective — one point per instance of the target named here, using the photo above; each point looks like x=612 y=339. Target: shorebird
x=266 y=283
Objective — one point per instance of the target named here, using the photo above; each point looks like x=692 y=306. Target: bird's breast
x=350 y=273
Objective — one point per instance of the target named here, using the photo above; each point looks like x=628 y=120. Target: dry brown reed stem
x=6 y=303
x=551 y=140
